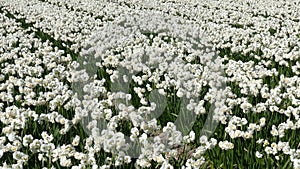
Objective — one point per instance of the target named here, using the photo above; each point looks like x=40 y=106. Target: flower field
x=149 y=84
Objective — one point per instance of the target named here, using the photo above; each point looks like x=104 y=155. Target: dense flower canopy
x=156 y=83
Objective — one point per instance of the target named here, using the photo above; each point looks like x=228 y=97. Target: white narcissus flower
x=76 y=140
x=296 y=163
x=158 y=158
x=63 y=161
x=47 y=138
x=127 y=159
x=41 y=157
x=203 y=139
x=258 y=154
x=226 y=145
x=143 y=163
x=166 y=165
x=1 y=153
x=192 y=135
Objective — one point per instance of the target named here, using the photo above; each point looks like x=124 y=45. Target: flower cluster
x=83 y=78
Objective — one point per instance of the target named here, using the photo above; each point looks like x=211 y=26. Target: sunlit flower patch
x=149 y=84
